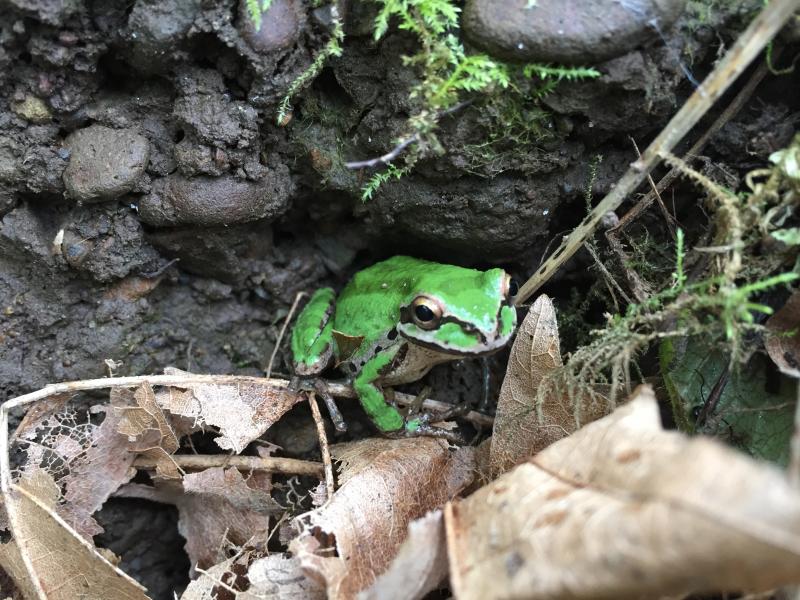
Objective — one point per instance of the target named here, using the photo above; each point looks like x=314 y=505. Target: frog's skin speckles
x=376 y=335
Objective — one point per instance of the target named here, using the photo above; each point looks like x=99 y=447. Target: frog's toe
x=420 y=426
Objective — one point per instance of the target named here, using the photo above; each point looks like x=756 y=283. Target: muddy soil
x=152 y=212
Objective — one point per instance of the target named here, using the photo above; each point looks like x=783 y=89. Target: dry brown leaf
x=147 y=428
x=420 y=565
x=95 y=474
x=517 y=431
x=241 y=412
x=90 y=461
x=279 y=576
x=211 y=581
x=521 y=428
x=210 y=521
x=385 y=484
x=251 y=494
x=274 y=576
x=60 y=564
x=624 y=509
x=39 y=412
x=783 y=345
x=14 y=579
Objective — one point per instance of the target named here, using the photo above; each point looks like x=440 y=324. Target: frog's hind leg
x=312 y=336
x=385 y=416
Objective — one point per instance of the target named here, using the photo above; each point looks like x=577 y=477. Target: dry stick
x=741 y=54
x=638 y=287
x=668 y=218
x=402 y=144
x=273 y=464
x=731 y=111
x=608 y=276
x=282 y=332
x=386 y=158
x=323 y=443
x=339 y=390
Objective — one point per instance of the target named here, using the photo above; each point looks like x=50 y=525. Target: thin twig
x=608 y=276
x=386 y=158
x=730 y=111
x=217 y=581
x=668 y=218
x=760 y=31
x=323 y=443
x=273 y=464
x=338 y=390
x=282 y=332
x=402 y=144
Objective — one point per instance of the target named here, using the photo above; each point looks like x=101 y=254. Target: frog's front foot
x=320 y=388
x=420 y=425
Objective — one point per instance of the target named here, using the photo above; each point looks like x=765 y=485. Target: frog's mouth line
x=498 y=345
x=487 y=347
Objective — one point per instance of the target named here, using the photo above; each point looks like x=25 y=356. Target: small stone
x=156 y=31
x=33 y=109
x=574 y=32
x=278 y=28
x=104 y=163
x=201 y=200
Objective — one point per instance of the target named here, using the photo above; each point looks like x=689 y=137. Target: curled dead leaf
x=624 y=509
x=90 y=460
x=524 y=424
x=279 y=576
x=419 y=566
x=385 y=484
x=147 y=428
x=60 y=564
x=241 y=411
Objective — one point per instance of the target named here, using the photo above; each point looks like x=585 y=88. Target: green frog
x=397 y=319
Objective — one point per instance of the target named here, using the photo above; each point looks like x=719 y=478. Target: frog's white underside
x=417 y=361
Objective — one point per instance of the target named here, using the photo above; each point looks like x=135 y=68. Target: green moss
x=448 y=73
x=718 y=297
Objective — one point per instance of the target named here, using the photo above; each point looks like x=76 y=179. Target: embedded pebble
x=587 y=31
x=104 y=163
x=202 y=200
x=33 y=109
x=156 y=31
x=279 y=27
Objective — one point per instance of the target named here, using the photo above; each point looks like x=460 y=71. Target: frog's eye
x=510 y=287
x=426 y=312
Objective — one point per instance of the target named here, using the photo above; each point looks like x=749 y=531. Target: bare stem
x=273 y=464
x=762 y=29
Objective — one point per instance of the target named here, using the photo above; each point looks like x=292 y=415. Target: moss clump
x=717 y=293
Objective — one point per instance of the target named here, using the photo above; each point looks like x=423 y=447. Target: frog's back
x=369 y=305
